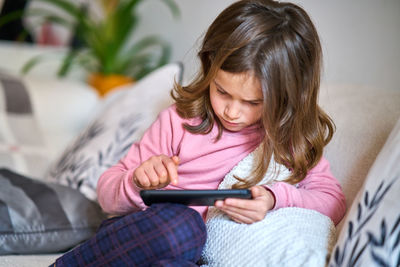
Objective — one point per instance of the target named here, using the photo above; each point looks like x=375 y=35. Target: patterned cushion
x=371 y=232
x=38 y=118
x=127 y=113
x=37 y=217
x=21 y=139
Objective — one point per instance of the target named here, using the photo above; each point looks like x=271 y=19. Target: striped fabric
x=21 y=140
x=162 y=235
x=36 y=217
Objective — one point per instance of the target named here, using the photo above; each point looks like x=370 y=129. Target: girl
x=258 y=86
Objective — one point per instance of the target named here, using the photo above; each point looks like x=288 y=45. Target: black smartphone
x=192 y=197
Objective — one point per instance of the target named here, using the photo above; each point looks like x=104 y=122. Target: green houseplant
x=104 y=49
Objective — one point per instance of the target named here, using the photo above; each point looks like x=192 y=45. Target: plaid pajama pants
x=162 y=235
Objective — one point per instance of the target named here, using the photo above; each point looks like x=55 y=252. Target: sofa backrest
x=364 y=117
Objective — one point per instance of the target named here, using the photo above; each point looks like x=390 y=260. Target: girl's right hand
x=157 y=172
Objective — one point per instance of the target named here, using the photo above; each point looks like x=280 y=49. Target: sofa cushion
x=126 y=114
x=364 y=117
x=371 y=232
x=21 y=138
x=63 y=108
x=38 y=217
x=37 y=118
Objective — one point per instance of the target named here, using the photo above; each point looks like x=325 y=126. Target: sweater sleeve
x=319 y=191
x=117 y=193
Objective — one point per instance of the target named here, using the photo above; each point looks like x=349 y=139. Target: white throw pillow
x=371 y=232
x=38 y=117
x=63 y=109
x=126 y=114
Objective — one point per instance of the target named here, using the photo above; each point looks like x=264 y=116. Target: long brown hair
x=278 y=43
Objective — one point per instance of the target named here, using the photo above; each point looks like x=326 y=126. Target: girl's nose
x=232 y=110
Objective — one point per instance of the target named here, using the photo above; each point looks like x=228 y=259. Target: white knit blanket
x=285 y=237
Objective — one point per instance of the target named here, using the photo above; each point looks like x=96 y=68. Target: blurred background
x=360 y=38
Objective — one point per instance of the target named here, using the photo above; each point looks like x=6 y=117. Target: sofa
x=57 y=136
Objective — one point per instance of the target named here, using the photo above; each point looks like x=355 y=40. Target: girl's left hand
x=248 y=210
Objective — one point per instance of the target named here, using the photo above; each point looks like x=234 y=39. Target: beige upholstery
x=364 y=117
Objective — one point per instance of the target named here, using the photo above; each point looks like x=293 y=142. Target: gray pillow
x=38 y=217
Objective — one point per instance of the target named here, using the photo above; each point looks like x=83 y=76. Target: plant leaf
x=12 y=16
x=67 y=62
x=106 y=40
x=173 y=7
x=142 y=55
x=31 y=63
x=48 y=16
x=65 y=6
x=78 y=13
x=143 y=44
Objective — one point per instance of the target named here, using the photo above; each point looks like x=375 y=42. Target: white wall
x=360 y=38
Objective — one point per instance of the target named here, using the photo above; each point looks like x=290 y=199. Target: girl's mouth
x=232 y=124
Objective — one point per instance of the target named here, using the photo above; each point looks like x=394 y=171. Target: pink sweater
x=203 y=165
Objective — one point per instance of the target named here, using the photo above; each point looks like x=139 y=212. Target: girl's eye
x=221 y=92
x=254 y=103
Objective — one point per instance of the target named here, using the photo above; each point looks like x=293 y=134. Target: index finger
x=172 y=169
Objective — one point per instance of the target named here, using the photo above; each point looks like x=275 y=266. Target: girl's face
x=236 y=99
